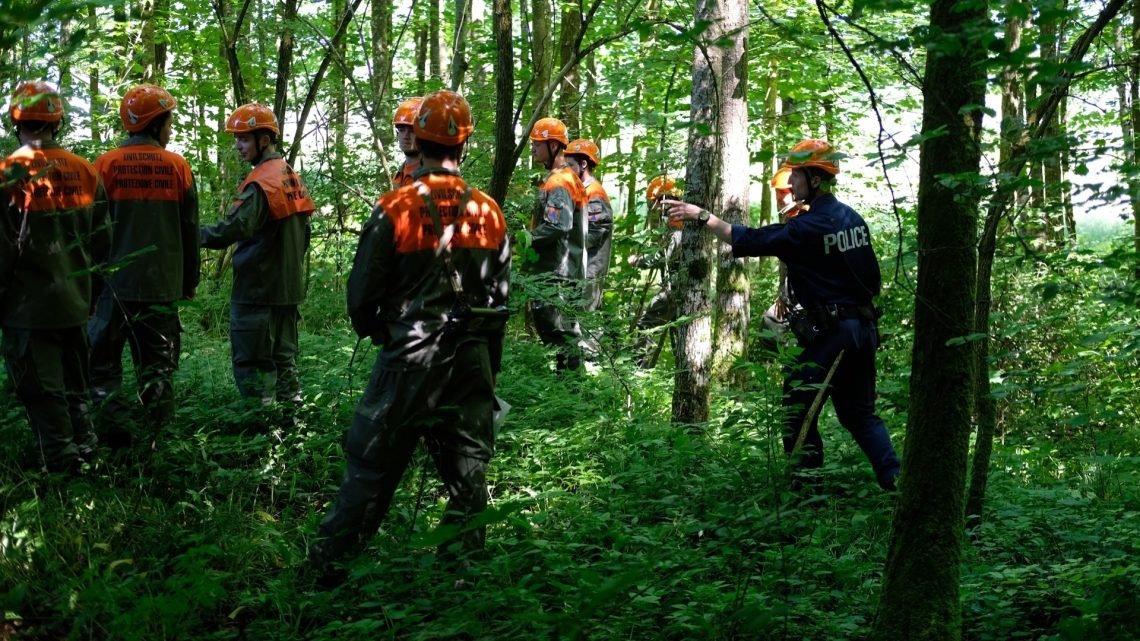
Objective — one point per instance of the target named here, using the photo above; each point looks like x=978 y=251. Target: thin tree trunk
x=380 y=80
x=1134 y=118
x=459 y=43
x=733 y=288
x=230 y=35
x=569 y=97
x=144 y=53
x=504 y=101
x=432 y=41
x=920 y=599
x=285 y=55
x=93 y=88
x=541 y=47
x=999 y=205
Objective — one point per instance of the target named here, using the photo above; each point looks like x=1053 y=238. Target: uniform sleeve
x=779 y=240
x=248 y=214
x=99 y=244
x=367 y=283
x=555 y=217
x=601 y=226
x=191 y=258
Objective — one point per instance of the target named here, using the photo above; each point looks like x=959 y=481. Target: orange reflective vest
x=283 y=189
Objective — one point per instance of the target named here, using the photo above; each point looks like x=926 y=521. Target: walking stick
x=815 y=404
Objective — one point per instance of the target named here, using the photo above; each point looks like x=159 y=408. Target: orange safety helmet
x=583 y=147
x=662 y=186
x=142 y=104
x=780 y=178
x=813 y=152
x=36 y=100
x=407 y=111
x=444 y=117
x=549 y=129
x=252 y=117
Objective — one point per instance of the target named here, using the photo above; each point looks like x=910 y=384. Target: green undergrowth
x=606 y=521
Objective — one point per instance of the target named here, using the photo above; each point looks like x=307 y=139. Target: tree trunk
x=435 y=68
x=920 y=599
x=716 y=83
x=569 y=97
x=93 y=88
x=230 y=35
x=541 y=50
x=459 y=44
x=504 y=101
x=380 y=82
x=1134 y=117
x=285 y=54
x=1000 y=204
x=421 y=60
x=144 y=53
x=733 y=288
x=1013 y=130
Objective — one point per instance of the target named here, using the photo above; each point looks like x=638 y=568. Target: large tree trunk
x=504 y=102
x=717 y=83
x=920 y=599
x=733 y=288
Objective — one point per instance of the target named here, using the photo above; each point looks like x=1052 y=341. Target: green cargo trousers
x=450 y=407
x=153 y=332
x=48 y=368
x=264 y=343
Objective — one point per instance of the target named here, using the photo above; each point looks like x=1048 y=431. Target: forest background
x=991 y=148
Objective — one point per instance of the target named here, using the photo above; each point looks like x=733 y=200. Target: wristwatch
x=703 y=218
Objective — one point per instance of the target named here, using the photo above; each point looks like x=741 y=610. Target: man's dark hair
x=583 y=158
x=37 y=126
x=158 y=123
x=438 y=151
x=824 y=176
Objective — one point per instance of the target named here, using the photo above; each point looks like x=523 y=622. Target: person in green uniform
x=53 y=235
x=430 y=280
x=153 y=205
x=269 y=222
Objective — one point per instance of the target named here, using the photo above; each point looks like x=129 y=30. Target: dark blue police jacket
x=827 y=250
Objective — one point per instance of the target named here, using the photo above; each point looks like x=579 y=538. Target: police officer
x=153 y=204
x=835 y=275
x=430 y=281
x=406 y=139
x=558 y=234
x=53 y=234
x=582 y=157
x=269 y=221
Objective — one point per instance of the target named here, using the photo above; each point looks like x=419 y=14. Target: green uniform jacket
x=53 y=233
x=154 y=212
x=269 y=263
x=399 y=288
x=558 y=227
x=600 y=232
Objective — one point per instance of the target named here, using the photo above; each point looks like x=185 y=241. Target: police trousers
x=852 y=393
